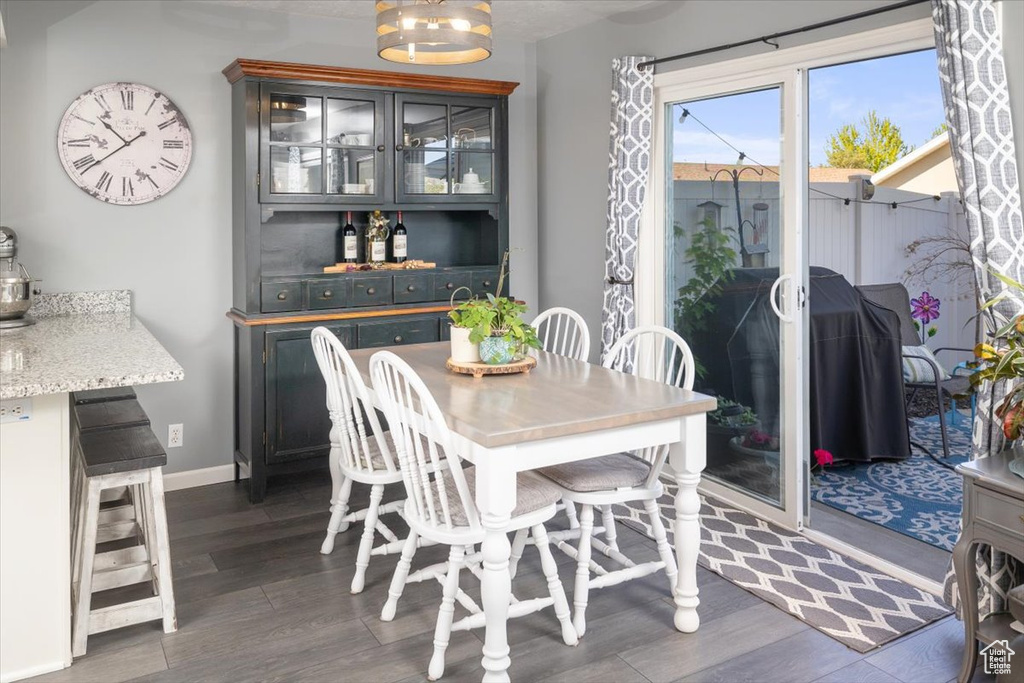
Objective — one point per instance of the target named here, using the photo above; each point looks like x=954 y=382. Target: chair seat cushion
x=606 y=473
x=917 y=369
x=533 y=492
x=377 y=462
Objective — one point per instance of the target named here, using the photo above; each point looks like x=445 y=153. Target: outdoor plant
x=732 y=414
x=713 y=258
x=1003 y=361
x=760 y=441
x=495 y=316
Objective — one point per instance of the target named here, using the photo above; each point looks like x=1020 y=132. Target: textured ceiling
x=526 y=20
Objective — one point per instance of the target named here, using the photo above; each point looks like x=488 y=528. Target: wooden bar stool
x=116 y=455
x=101 y=395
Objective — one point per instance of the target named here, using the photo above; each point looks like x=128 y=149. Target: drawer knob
x=327 y=294
x=411 y=288
x=380 y=148
x=398 y=339
x=371 y=290
x=281 y=296
x=450 y=285
x=487 y=283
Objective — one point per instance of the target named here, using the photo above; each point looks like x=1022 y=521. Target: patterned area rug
x=916 y=497
x=851 y=602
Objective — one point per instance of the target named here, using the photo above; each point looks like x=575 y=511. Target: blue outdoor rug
x=916 y=497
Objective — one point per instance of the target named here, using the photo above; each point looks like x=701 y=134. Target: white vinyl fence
x=865 y=242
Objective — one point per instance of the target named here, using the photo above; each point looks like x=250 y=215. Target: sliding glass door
x=733 y=275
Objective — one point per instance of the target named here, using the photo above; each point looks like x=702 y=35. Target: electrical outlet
x=17 y=410
x=175 y=435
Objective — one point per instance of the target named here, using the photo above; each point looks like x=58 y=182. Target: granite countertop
x=73 y=347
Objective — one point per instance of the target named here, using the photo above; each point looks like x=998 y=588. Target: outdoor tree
x=873 y=144
x=939 y=130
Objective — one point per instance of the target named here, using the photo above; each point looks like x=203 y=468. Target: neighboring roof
x=939 y=142
x=816 y=174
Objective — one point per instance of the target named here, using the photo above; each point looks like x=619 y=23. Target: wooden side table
x=993 y=513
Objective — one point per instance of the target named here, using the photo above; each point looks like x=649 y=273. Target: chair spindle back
x=563 y=331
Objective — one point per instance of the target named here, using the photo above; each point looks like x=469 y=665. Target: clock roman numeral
x=168 y=164
x=84 y=163
x=151 y=105
x=127 y=189
x=128 y=100
x=102 y=101
x=91 y=123
x=153 y=182
x=103 y=184
x=77 y=142
x=174 y=144
x=169 y=122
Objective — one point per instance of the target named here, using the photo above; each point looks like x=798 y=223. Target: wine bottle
x=399 y=241
x=350 y=239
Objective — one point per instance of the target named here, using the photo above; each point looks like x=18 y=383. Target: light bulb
x=432 y=24
x=409 y=23
x=461 y=24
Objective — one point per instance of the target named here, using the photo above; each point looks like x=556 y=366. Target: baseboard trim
x=29 y=672
x=201 y=477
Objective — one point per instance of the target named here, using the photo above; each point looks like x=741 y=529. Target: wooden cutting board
x=354 y=267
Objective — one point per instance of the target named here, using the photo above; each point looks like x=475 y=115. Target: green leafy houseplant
x=495 y=316
x=713 y=258
x=1003 y=361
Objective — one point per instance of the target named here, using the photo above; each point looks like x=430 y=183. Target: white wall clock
x=124 y=143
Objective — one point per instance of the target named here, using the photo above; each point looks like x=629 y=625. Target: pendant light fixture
x=434 y=31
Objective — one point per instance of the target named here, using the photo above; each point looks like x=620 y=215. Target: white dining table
x=562 y=410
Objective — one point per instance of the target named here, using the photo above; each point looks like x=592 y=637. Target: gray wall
x=175 y=253
x=574 y=82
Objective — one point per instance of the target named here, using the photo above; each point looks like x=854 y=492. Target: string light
x=845 y=200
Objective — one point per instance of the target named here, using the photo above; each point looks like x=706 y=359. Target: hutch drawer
x=414 y=288
x=484 y=282
x=371 y=291
x=332 y=293
x=446 y=283
x=280 y=296
x=398 y=332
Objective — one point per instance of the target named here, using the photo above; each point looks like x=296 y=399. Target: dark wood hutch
x=311 y=143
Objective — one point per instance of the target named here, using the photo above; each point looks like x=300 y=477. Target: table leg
x=495 y=498
x=686 y=460
x=966 y=569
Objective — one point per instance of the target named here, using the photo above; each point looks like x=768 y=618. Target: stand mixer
x=15 y=283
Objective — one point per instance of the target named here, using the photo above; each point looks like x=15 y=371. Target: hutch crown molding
x=312 y=144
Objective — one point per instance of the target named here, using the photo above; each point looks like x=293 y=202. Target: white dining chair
x=440 y=508
x=563 y=331
x=651 y=352
x=359 y=453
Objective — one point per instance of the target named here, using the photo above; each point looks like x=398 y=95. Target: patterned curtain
x=977 y=104
x=630 y=159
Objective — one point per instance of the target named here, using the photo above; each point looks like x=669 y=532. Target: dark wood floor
x=257 y=602
x=900 y=549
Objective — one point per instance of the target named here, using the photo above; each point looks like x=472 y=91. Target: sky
x=903 y=87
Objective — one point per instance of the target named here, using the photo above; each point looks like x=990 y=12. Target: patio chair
x=894 y=297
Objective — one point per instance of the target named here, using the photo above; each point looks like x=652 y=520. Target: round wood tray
x=480 y=369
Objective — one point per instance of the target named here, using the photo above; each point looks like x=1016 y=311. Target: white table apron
x=496 y=499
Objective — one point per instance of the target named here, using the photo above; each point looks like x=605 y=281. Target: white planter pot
x=463 y=350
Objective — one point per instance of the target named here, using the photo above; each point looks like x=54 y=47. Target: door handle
x=771 y=298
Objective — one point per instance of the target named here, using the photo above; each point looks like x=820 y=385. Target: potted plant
x=494 y=326
x=757 y=444
x=730 y=419
x=1003 y=361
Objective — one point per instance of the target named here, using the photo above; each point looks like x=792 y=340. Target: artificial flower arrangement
x=1003 y=361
